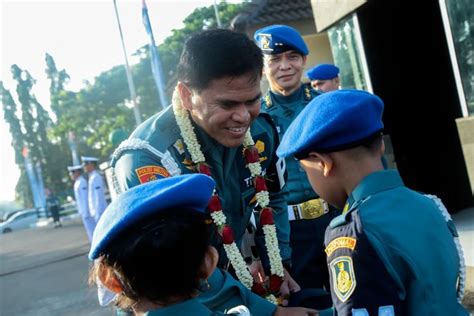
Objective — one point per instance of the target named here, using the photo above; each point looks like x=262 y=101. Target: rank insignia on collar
x=179 y=146
x=260 y=146
x=268 y=101
x=343 y=278
x=307 y=92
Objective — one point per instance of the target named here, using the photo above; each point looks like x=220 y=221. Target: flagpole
x=154 y=57
x=219 y=25
x=131 y=85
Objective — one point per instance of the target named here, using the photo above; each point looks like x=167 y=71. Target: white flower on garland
x=276 y=267
x=219 y=218
x=240 y=267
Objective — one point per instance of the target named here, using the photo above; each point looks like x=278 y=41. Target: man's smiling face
x=226 y=108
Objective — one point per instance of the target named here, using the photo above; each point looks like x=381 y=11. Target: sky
x=83 y=38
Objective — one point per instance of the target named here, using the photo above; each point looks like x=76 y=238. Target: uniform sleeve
x=137 y=167
x=226 y=292
x=82 y=196
x=360 y=282
x=95 y=189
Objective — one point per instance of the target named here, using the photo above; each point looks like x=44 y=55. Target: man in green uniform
x=284 y=59
x=393 y=251
x=216 y=101
x=324 y=77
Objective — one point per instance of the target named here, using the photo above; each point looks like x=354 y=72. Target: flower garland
x=252 y=159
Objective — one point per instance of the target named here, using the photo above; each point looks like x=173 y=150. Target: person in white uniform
x=82 y=198
x=97 y=202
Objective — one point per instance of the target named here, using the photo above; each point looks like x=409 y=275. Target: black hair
x=160 y=258
x=218 y=53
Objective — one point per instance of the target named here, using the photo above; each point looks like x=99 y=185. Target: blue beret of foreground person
x=276 y=39
x=333 y=121
x=323 y=72
x=151 y=248
x=143 y=201
x=392 y=251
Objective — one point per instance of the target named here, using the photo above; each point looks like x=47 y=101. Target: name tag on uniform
x=278 y=129
x=281 y=167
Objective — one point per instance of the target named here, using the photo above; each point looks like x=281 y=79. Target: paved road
x=43 y=271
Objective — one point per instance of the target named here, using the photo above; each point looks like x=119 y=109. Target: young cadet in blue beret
x=324 y=77
x=393 y=251
x=284 y=59
x=152 y=248
x=215 y=103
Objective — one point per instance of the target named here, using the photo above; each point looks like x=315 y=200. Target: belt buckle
x=313 y=209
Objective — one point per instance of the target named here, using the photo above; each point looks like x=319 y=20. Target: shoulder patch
x=343 y=277
x=150 y=173
x=341 y=242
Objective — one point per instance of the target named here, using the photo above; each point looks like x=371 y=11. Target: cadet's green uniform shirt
x=190 y=307
x=134 y=165
x=224 y=293
x=392 y=251
x=283 y=110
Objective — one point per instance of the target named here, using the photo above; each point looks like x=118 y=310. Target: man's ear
x=323 y=162
x=209 y=263
x=185 y=95
x=305 y=57
x=109 y=279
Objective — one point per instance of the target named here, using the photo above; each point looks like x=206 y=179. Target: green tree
x=170 y=52
x=35 y=123
x=23 y=192
x=94 y=112
x=100 y=107
x=58 y=79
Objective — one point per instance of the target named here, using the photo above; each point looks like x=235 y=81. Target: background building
x=418 y=57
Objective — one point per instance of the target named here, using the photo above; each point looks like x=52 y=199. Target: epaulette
x=309 y=93
x=138 y=144
x=345 y=218
x=341 y=219
x=266 y=101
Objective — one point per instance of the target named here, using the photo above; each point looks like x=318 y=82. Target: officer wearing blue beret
x=284 y=59
x=214 y=126
x=324 y=77
x=152 y=248
x=393 y=251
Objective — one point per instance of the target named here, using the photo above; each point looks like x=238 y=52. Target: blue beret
x=187 y=191
x=276 y=39
x=323 y=72
x=333 y=121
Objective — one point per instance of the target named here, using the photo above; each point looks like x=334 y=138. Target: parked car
x=20 y=220
x=9 y=214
